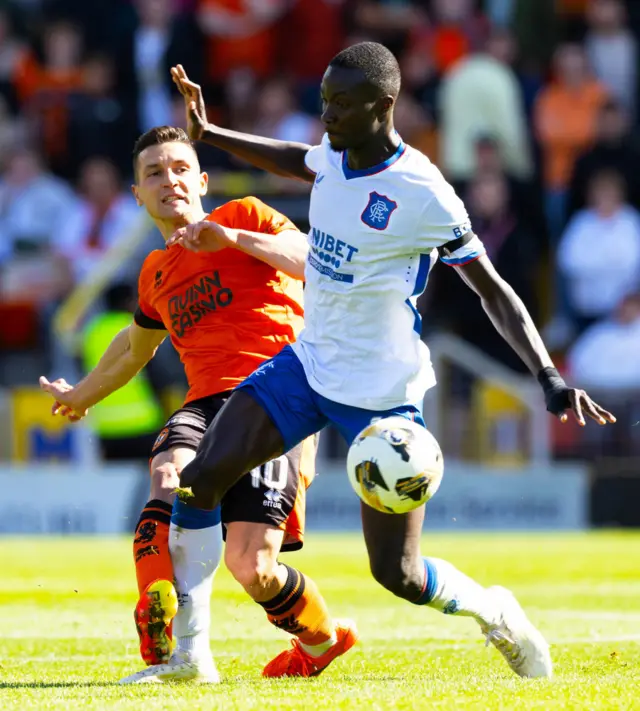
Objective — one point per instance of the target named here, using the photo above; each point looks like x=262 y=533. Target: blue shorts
x=280 y=386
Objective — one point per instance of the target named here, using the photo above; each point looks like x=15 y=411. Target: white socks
x=317 y=650
x=195 y=543
x=454 y=593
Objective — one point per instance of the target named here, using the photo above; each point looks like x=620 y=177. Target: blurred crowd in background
x=529 y=107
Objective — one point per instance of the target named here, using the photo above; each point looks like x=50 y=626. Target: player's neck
x=168 y=227
x=376 y=151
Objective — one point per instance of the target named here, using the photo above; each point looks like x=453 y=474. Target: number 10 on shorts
x=273 y=474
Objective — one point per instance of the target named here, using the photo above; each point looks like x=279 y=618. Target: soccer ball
x=395 y=465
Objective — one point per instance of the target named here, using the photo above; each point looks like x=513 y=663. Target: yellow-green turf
x=67 y=634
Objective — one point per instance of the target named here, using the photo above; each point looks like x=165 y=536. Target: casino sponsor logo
x=328 y=254
x=207 y=295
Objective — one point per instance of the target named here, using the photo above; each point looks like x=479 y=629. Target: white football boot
x=520 y=643
x=182 y=667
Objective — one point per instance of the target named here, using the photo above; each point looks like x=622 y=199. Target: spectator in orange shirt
x=565 y=119
x=45 y=89
x=241 y=35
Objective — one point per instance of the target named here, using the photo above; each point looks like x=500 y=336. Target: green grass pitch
x=67 y=634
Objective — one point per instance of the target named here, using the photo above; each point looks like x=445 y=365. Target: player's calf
x=260 y=576
x=402 y=576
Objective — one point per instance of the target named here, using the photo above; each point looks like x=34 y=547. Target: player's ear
x=385 y=106
x=204 y=184
x=134 y=190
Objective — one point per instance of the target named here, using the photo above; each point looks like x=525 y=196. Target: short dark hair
x=156 y=136
x=378 y=65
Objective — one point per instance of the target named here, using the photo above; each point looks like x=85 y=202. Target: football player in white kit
x=381 y=214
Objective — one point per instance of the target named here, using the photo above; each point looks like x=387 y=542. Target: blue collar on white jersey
x=350 y=173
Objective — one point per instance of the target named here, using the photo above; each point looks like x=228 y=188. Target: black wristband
x=550 y=379
x=556 y=392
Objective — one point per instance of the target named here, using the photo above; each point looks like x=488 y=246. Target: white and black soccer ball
x=395 y=465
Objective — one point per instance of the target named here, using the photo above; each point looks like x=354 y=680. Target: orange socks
x=300 y=609
x=151 y=544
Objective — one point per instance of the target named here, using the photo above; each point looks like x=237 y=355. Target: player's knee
x=164 y=480
x=255 y=572
x=399 y=575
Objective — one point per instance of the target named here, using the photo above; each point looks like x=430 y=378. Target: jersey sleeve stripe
x=145 y=321
x=460 y=262
x=470 y=250
x=417 y=318
x=423 y=273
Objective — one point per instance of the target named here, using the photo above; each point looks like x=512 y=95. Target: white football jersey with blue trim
x=374 y=238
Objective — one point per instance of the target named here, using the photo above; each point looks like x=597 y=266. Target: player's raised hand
x=64 y=402
x=202 y=236
x=193 y=100
x=580 y=404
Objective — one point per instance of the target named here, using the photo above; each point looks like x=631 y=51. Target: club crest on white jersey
x=378 y=211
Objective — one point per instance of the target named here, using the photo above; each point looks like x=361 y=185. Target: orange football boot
x=296 y=662
x=153 y=615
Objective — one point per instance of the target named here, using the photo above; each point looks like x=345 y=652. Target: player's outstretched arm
x=126 y=355
x=513 y=322
x=286 y=251
x=284 y=158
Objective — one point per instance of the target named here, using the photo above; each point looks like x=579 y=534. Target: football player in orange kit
x=226 y=310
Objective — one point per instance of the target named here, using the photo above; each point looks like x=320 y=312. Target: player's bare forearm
x=114 y=370
x=99 y=384
x=284 y=158
x=507 y=313
x=120 y=363
x=286 y=251
x=512 y=320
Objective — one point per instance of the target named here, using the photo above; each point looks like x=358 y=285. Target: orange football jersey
x=226 y=312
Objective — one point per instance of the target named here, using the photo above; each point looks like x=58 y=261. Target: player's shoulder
x=421 y=169
x=153 y=261
x=250 y=213
x=322 y=156
x=425 y=180
x=234 y=210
